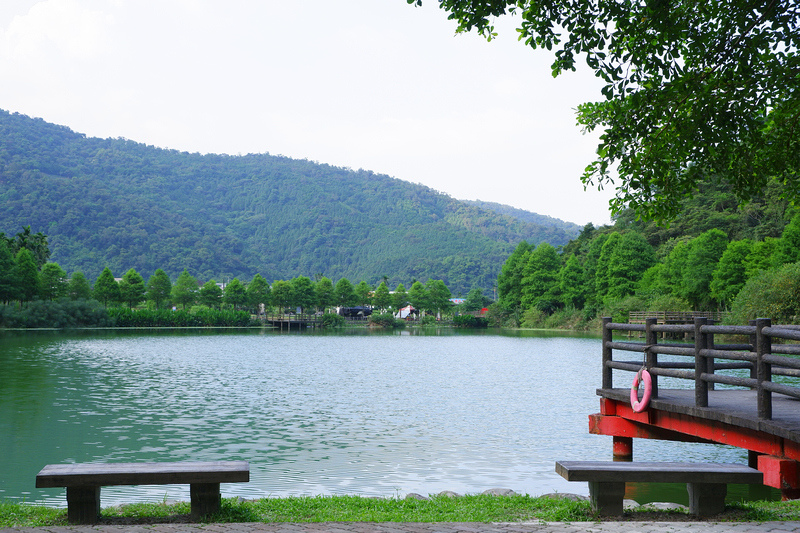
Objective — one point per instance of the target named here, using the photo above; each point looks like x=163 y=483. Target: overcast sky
x=373 y=84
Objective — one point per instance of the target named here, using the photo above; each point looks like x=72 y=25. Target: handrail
x=766 y=354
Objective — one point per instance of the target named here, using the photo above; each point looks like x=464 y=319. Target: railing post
x=607 y=354
x=710 y=360
x=754 y=343
x=700 y=365
x=651 y=339
x=764 y=370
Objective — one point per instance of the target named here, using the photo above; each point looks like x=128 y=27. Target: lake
x=359 y=412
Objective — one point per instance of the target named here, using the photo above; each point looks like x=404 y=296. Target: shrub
x=61 y=313
x=428 y=320
x=332 y=320
x=386 y=320
x=469 y=321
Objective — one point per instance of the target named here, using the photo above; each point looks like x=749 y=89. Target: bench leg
x=606 y=497
x=83 y=505
x=206 y=499
x=706 y=499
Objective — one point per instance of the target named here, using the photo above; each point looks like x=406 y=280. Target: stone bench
x=83 y=482
x=706 y=482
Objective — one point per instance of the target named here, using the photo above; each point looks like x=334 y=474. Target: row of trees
x=602 y=268
x=23 y=279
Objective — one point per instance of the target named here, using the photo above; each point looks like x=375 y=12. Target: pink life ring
x=639 y=406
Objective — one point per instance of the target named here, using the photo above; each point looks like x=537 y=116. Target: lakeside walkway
x=426 y=527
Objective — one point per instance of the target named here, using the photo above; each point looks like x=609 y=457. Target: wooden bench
x=706 y=482
x=83 y=482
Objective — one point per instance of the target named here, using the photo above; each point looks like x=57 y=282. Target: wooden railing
x=765 y=354
x=675 y=317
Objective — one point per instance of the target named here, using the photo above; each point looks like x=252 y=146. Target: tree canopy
x=696 y=91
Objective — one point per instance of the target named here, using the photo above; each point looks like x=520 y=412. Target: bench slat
x=658 y=472
x=72 y=475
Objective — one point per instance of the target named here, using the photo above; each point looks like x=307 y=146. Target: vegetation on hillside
x=120 y=204
x=717 y=256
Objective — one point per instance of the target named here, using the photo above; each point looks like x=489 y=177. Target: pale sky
x=373 y=84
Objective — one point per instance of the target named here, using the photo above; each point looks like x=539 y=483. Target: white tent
x=404 y=312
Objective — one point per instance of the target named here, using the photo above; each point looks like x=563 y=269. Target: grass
x=476 y=508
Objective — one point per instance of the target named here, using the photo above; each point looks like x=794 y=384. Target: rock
x=499 y=492
x=662 y=506
x=630 y=504
x=415 y=496
x=565 y=496
x=449 y=494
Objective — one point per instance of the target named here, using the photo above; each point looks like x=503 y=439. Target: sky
x=373 y=84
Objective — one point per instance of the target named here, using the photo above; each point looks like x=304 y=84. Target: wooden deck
x=731 y=407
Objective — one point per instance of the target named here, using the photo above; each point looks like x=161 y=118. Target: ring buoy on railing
x=644 y=376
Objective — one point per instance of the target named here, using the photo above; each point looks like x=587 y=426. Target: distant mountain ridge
x=122 y=204
x=526 y=216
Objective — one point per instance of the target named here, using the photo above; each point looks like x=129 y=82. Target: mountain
x=123 y=204
x=526 y=216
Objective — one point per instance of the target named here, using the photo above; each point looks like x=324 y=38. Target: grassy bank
x=478 y=508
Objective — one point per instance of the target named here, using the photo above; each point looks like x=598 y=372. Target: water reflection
x=353 y=413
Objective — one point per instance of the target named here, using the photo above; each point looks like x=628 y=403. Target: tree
x=131 y=288
x=763 y=256
x=541 y=276
x=345 y=293
x=362 y=291
x=509 y=281
x=326 y=296
x=475 y=300
x=258 y=293
x=632 y=256
x=159 y=288
x=78 y=287
x=418 y=296
x=185 y=290
x=210 y=294
x=281 y=294
x=52 y=281
x=8 y=285
x=105 y=288
x=789 y=243
x=694 y=91
x=702 y=255
x=731 y=274
x=234 y=294
x=382 y=297
x=36 y=244
x=26 y=275
x=400 y=297
x=572 y=283
x=601 y=282
x=303 y=294
x=438 y=295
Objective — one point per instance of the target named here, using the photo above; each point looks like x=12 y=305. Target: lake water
x=373 y=414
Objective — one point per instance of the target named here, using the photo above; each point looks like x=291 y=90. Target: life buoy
x=644 y=376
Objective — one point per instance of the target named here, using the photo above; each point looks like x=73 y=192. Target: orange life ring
x=644 y=376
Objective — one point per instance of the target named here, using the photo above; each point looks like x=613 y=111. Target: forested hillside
x=122 y=204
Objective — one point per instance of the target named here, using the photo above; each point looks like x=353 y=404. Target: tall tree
x=632 y=256
x=382 y=297
x=325 y=293
x=210 y=294
x=159 y=287
x=234 y=293
x=8 y=285
x=731 y=274
x=439 y=295
x=400 y=297
x=258 y=293
x=541 y=275
x=106 y=289
x=132 y=288
x=303 y=294
x=572 y=283
x=694 y=91
x=702 y=256
x=362 y=290
x=281 y=294
x=418 y=296
x=509 y=282
x=185 y=290
x=79 y=287
x=52 y=282
x=789 y=243
x=345 y=293
x=26 y=275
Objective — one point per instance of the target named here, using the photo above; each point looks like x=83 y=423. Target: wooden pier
x=759 y=410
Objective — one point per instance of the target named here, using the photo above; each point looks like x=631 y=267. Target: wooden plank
x=107 y=474
x=657 y=472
